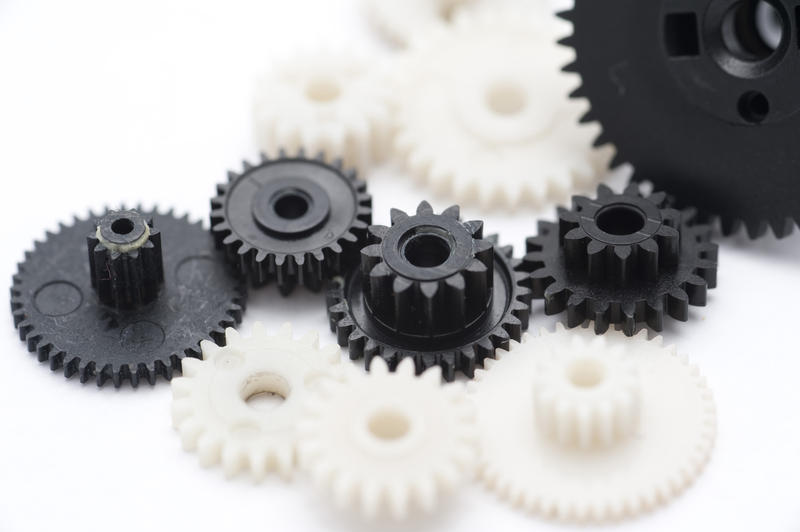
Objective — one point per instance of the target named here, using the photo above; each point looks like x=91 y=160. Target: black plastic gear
x=622 y=259
x=702 y=97
x=432 y=288
x=292 y=220
x=150 y=288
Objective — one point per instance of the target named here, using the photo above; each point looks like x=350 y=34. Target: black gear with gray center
x=124 y=297
x=702 y=97
x=292 y=220
x=432 y=288
x=622 y=259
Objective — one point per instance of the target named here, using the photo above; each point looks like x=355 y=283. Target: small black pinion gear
x=432 y=288
x=701 y=96
x=150 y=288
x=292 y=220
x=621 y=259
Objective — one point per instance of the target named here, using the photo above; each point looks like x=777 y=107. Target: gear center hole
x=752 y=30
x=265 y=391
x=122 y=226
x=323 y=90
x=427 y=250
x=291 y=205
x=620 y=220
x=506 y=99
x=389 y=424
x=586 y=373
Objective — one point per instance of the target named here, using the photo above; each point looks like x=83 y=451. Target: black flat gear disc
x=432 y=288
x=139 y=334
x=702 y=97
x=291 y=220
x=621 y=259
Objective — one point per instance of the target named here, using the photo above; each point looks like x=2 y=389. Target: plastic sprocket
x=150 y=288
x=430 y=287
x=292 y=220
x=622 y=259
x=701 y=97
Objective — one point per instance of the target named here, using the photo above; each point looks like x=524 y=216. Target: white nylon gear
x=580 y=427
x=483 y=114
x=389 y=442
x=210 y=409
x=324 y=101
x=401 y=20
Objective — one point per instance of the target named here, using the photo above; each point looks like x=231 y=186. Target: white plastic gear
x=389 y=442
x=400 y=20
x=580 y=427
x=324 y=101
x=483 y=112
x=210 y=409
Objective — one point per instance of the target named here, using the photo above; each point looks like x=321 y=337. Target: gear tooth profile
x=610 y=422
x=430 y=287
x=124 y=296
x=724 y=70
x=610 y=256
x=398 y=456
x=291 y=220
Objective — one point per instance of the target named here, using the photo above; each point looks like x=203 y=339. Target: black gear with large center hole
x=621 y=259
x=702 y=97
x=432 y=288
x=124 y=297
x=291 y=220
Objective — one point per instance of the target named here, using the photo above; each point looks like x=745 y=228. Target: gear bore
x=432 y=288
x=151 y=288
x=622 y=259
x=292 y=220
x=701 y=97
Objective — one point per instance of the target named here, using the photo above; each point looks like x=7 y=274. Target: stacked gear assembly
x=292 y=220
x=701 y=97
x=388 y=443
x=622 y=259
x=124 y=297
x=579 y=427
x=484 y=115
x=210 y=408
x=431 y=288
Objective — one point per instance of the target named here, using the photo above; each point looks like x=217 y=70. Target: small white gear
x=210 y=409
x=580 y=427
x=389 y=442
x=483 y=112
x=401 y=20
x=325 y=101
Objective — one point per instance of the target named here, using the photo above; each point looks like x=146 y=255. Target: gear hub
x=701 y=97
x=432 y=288
x=292 y=220
x=152 y=288
x=622 y=259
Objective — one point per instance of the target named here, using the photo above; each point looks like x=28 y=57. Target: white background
x=103 y=102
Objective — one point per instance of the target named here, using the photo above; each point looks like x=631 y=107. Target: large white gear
x=389 y=442
x=580 y=427
x=210 y=409
x=325 y=101
x=401 y=20
x=483 y=113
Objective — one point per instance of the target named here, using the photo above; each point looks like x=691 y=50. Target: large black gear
x=432 y=288
x=124 y=297
x=292 y=220
x=621 y=259
x=701 y=96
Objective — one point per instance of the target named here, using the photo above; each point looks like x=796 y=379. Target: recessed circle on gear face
x=58 y=298
x=194 y=269
x=142 y=336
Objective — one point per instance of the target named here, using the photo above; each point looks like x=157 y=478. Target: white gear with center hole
x=389 y=442
x=483 y=113
x=324 y=101
x=580 y=427
x=210 y=409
